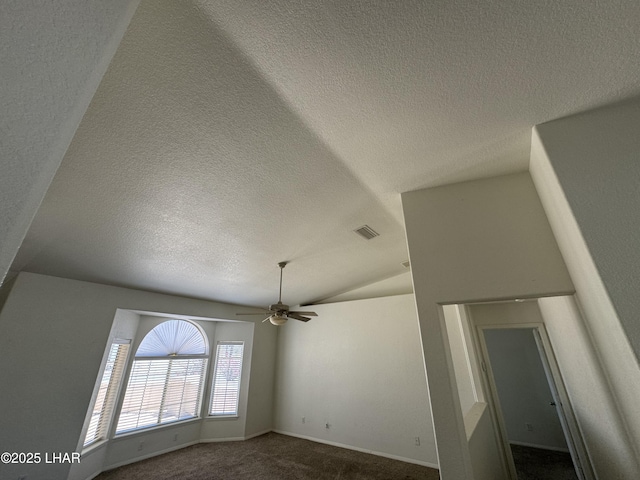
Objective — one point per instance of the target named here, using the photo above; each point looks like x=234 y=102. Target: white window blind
x=226 y=379
x=107 y=393
x=161 y=391
x=165 y=383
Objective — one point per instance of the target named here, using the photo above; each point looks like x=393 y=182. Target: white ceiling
x=227 y=136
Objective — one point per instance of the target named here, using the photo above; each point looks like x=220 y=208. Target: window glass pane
x=226 y=379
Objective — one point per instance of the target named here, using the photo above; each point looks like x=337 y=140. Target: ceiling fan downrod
x=281 y=265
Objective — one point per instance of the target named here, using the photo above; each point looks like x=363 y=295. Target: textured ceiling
x=227 y=136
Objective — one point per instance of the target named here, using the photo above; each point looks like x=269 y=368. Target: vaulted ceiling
x=227 y=136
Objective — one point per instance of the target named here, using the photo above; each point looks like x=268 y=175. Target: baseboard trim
x=218 y=440
x=253 y=435
x=232 y=439
x=358 y=449
x=541 y=447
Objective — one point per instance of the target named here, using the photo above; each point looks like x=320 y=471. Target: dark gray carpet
x=539 y=464
x=270 y=456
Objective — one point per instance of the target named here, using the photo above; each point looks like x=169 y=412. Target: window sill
x=222 y=417
x=141 y=431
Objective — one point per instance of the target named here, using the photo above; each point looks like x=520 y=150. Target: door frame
x=563 y=405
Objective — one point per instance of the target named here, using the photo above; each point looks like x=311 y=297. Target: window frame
x=171 y=360
x=212 y=391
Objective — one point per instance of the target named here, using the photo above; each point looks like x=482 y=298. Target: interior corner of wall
x=538 y=155
x=5 y=291
x=8 y=282
x=549 y=189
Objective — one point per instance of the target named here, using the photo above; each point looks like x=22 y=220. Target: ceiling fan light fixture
x=277 y=319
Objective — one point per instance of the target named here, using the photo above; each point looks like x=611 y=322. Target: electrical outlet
x=529 y=427
x=140 y=446
x=304 y=419
x=175 y=437
x=417 y=441
x=326 y=425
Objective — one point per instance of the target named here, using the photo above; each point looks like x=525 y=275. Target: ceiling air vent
x=366 y=232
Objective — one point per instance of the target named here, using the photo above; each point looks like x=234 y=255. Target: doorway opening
x=527 y=397
x=503 y=359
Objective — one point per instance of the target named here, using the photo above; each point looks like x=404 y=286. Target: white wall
x=603 y=429
x=396 y=285
x=523 y=389
x=595 y=159
x=145 y=444
x=460 y=350
x=260 y=407
x=53 y=332
x=483 y=446
x=53 y=56
x=480 y=240
x=358 y=367
x=586 y=171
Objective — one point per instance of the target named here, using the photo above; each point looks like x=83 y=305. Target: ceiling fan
x=279 y=313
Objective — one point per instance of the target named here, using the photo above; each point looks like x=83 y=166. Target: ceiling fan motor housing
x=279 y=307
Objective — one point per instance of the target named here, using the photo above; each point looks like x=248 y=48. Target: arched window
x=165 y=384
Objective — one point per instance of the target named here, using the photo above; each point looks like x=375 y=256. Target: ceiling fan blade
x=309 y=314
x=297 y=317
x=266 y=312
x=266 y=319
